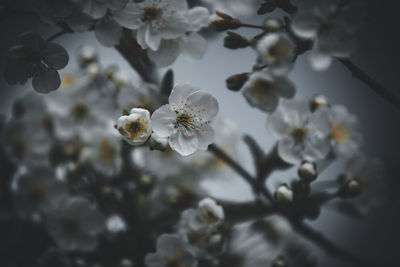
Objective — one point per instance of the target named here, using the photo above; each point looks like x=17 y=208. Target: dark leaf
x=167 y=83
x=46 y=81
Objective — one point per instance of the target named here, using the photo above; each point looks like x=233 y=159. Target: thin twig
x=328 y=246
x=57 y=35
x=255 y=185
x=374 y=85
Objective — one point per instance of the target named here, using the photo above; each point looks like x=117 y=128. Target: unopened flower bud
x=235 y=41
x=223 y=15
x=220 y=25
x=272 y=24
x=236 y=82
x=352 y=188
x=308 y=171
x=319 y=101
x=284 y=194
x=279 y=262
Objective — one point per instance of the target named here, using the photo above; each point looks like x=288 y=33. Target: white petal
x=205 y=136
x=305 y=25
x=179 y=94
x=167 y=53
x=108 y=32
x=130 y=16
x=207 y=105
x=318 y=60
x=194 y=46
x=198 y=18
x=183 y=144
x=163 y=120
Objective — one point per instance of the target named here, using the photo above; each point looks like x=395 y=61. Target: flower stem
x=251 y=26
x=57 y=35
x=256 y=186
x=374 y=85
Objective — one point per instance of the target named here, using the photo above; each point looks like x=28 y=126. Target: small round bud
x=353 y=187
x=284 y=194
x=87 y=55
x=272 y=24
x=279 y=262
x=318 y=101
x=308 y=171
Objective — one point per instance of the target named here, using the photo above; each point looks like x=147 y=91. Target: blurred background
x=376 y=236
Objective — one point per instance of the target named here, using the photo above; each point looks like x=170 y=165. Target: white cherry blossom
x=185 y=120
x=301 y=134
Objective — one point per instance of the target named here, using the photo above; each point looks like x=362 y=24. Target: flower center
x=80 y=111
x=263 y=89
x=151 y=13
x=299 y=133
x=340 y=134
x=136 y=128
x=278 y=51
x=107 y=152
x=184 y=120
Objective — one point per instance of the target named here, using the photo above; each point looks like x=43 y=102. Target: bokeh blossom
x=301 y=134
x=171 y=251
x=263 y=90
x=331 y=25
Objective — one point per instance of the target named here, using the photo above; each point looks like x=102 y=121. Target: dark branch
x=374 y=85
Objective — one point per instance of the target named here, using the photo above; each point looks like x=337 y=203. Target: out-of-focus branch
x=371 y=83
x=255 y=185
x=57 y=35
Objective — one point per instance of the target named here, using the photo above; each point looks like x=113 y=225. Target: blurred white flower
x=103 y=154
x=35 y=58
x=157 y=142
x=369 y=180
x=135 y=128
x=156 y=20
x=37 y=190
x=235 y=7
x=332 y=26
x=28 y=136
x=276 y=50
x=301 y=134
x=98 y=8
x=345 y=134
x=116 y=224
x=185 y=120
x=75 y=225
x=192 y=46
x=263 y=90
x=171 y=251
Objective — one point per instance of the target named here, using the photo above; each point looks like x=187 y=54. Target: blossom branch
x=57 y=35
x=239 y=169
x=373 y=84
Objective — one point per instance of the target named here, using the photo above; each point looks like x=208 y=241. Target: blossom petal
x=130 y=16
x=184 y=144
x=205 y=136
x=206 y=104
x=198 y=18
x=179 y=94
x=194 y=46
x=167 y=52
x=163 y=121
x=319 y=61
x=305 y=25
x=108 y=32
